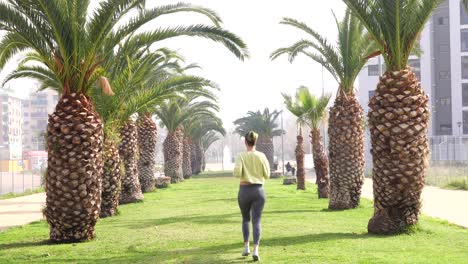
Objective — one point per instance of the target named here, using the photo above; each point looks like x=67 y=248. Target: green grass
x=198 y=221
x=27 y=192
x=442 y=176
x=457 y=185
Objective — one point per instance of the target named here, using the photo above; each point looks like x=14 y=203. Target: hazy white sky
x=256 y=83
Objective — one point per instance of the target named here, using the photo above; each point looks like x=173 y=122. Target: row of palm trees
x=108 y=72
x=399 y=112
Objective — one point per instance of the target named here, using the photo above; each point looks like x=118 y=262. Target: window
x=463 y=15
x=373 y=70
x=464 y=40
x=465 y=94
x=442 y=21
x=465 y=122
x=445 y=129
x=444 y=48
x=371 y=94
x=464 y=67
x=444 y=75
x=445 y=101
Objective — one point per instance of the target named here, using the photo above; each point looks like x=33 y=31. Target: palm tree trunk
x=128 y=148
x=147 y=138
x=111 y=179
x=187 y=161
x=265 y=145
x=173 y=154
x=398 y=122
x=203 y=162
x=346 y=150
x=300 y=173
x=199 y=161
x=320 y=164
x=75 y=164
x=193 y=158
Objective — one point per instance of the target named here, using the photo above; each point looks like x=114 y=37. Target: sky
x=257 y=82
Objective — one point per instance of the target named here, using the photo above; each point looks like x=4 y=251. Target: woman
x=252 y=168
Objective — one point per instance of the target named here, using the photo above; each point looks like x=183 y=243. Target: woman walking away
x=252 y=168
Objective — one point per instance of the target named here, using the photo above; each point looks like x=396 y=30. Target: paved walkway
x=449 y=205
x=21 y=210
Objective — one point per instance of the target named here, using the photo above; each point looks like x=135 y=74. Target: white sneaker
x=246 y=252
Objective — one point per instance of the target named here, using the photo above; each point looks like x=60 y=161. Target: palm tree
x=135 y=90
x=67 y=47
x=147 y=128
x=311 y=111
x=207 y=140
x=200 y=134
x=298 y=109
x=399 y=112
x=266 y=126
x=346 y=119
x=173 y=114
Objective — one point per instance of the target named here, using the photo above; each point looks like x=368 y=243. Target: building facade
x=35 y=111
x=10 y=130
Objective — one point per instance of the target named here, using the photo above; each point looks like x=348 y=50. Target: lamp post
x=282 y=142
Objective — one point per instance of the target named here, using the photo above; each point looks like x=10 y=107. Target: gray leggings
x=251 y=199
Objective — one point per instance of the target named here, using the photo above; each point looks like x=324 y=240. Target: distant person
x=253 y=169
x=288 y=167
x=293 y=171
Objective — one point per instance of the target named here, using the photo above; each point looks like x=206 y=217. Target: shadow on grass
x=216 y=174
x=26 y=244
x=212 y=254
x=198 y=219
x=230 y=218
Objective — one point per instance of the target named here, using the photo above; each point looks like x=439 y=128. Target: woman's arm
x=238 y=167
x=266 y=168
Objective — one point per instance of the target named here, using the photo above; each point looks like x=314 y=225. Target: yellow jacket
x=253 y=167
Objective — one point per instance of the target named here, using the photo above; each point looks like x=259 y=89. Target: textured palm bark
x=265 y=145
x=111 y=179
x=398 y=122
x=128 y=149
x=173 y=154
x=199 y=159
x=300 y=173
x=147 y=138
x=346 y=152
x=320 y=164
x=187 y=160
x=193 y=158
x=203 y=161
x=75 y=164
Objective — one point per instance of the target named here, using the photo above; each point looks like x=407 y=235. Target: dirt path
x=21 y=210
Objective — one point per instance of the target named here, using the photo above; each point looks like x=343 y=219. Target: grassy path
x=198 y=221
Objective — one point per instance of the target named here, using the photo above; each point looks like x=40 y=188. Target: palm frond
x=395 y=25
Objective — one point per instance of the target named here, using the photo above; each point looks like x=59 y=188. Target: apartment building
x=35 y=111
x=10 y=130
